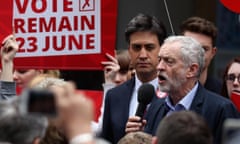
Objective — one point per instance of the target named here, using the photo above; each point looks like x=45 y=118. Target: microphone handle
x=140 y=110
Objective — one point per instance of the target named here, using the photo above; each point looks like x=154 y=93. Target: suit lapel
x=125 y=99
x=198 y=100
x=154 y=115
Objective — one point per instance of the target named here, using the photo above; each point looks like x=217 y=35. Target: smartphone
x=38 y=102
x=231 y=131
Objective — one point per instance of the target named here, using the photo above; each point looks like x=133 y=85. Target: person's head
x=204 y=32
x=56 y=85
x=184 y=127
x=23 y=77
x=181 y=61
x=144 y=35
x=231 y=77
x=136 y=138
x=54 y=135
x=123 y=59
x=22 y=129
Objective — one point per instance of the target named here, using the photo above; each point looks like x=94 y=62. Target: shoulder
x=122 y=91
x=126 y=86
x=156 y=105
x=219 y=103
x=213 y=84
x=212 y=96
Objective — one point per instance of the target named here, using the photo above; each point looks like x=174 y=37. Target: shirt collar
x=153 y=82
x=185 y=101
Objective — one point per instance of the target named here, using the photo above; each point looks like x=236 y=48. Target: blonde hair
x=53 y=73
x=136 y=138
x=46 y=82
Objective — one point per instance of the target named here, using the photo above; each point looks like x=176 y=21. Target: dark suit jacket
x=116 y=111
x=213 y=84
x=214 y=108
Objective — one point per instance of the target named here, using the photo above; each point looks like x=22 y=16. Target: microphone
x=145 y=95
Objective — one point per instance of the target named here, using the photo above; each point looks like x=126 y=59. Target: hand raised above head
x=111 y=67
x=9 y=48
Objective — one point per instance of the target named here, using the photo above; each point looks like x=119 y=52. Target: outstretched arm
x=9 y=49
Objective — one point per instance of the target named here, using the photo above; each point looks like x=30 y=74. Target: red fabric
x=96 y=97
x=232 y=5
x=235 y=97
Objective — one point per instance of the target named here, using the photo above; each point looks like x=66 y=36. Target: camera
x=38 y=102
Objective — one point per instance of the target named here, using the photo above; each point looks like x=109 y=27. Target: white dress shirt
x=134 y=102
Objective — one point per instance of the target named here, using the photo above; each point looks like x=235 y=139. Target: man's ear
x=214 y=51
x=154 y=140
x=36 y=140
x=192 y=70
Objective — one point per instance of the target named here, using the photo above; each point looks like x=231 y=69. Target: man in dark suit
x=181 y=61
x=144 y=35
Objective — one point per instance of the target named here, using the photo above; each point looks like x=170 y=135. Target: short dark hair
x=184 y=127
x=200 y=25
x=142 y=23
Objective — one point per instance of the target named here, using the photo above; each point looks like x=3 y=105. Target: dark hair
x=184 y=127
x=224 y=91
x=142 y=23
x=200 y=25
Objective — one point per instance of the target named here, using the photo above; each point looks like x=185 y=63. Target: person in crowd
x=144 y=35
x=75 y=114
x=181 y=61
x=204 y=32
x=23 y=77
x=231 y=77
x=53 y=135
x=22 y=129
x=231 y=81
x=116 y=69
x=136 y=138
x=9 y=48
x=184 y=127
x=116 y=72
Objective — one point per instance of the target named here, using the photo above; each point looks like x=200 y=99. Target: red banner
x=60 y=34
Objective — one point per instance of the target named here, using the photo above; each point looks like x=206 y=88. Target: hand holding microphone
x=145 y=95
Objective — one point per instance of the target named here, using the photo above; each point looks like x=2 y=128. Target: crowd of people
x=189 y=106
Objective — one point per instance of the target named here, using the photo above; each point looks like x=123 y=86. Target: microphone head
x=145 y=93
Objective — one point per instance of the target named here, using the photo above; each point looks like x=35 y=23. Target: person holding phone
x=231 y=81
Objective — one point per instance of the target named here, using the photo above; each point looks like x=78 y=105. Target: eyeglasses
x=232 y=77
